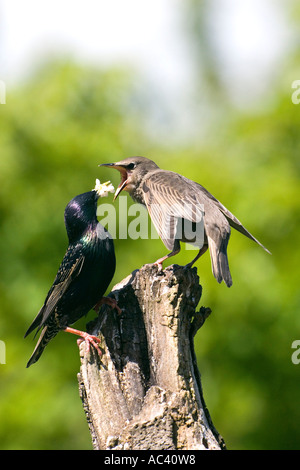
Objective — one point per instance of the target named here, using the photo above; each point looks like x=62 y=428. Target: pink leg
x=160 y=261
x=91 y=339
x=108 y=301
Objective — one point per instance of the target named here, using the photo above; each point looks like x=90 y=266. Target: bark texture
x=145 y=392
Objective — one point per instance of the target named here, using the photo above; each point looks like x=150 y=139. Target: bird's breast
x=137 y=194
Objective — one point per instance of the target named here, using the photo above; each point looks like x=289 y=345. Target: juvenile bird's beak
x=124 y=176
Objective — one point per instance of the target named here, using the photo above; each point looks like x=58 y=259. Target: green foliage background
x=55 y=130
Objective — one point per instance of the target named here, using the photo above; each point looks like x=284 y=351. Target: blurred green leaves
x=56 y=129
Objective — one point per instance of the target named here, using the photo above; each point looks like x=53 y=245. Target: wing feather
x=167 y=198
x=66 y=274
x=188 y=200
x=233 y=221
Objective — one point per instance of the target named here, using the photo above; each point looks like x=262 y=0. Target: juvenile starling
x=175 y=202
x=83 y=276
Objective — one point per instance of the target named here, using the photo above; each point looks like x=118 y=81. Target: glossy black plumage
x=83 y=276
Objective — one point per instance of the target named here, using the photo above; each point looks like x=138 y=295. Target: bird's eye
x=131 y=166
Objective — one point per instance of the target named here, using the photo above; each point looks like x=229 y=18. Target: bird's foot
x=107 y=301
x=159 y=263
x=90 y=339
x=189 y=265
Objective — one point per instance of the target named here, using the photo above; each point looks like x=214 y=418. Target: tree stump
x=145 y=393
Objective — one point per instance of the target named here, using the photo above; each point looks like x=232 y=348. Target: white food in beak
x=103 y=189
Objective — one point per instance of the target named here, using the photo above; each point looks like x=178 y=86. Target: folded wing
x=67 y=272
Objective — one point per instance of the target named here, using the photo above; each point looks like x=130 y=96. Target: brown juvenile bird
x=181 y=210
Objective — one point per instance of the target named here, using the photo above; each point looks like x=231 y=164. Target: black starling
x=83 y=276
x=175 y=202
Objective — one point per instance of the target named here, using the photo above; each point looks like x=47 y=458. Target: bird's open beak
x=124 y=177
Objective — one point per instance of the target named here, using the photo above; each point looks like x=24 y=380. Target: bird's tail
x=45 y=336
x=235 y=223
x=219 y=261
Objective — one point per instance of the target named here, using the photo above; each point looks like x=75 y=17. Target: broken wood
x=145 y=392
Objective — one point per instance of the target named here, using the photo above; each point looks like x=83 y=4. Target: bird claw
x=108 y=301
x=189 y=265
x=90 y=339
x=94 y=341
x=159 y=263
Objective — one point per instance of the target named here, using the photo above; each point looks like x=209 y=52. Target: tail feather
x=224 y=266
x=236 y=224
x=214 y=260
x=219 y=262
x=46 y=335
x=37 y=322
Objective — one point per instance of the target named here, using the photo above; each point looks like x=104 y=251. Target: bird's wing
x=69 y=269
x=233 y=221
x=168 y=195
x=168 y=198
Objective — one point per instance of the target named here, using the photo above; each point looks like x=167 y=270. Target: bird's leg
x=175 y=251
x=91 y=339
x=201 y=251
x=108 y=301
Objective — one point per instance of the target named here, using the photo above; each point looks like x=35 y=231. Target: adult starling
x=83 y=276
x=175 y=202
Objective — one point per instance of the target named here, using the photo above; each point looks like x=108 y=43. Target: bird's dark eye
x=131 y=166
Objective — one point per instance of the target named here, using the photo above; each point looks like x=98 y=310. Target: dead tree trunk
x=145 y=392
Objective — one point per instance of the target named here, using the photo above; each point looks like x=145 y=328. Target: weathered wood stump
x=145 y=392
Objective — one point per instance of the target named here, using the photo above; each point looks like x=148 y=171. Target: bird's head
x=81 y=212
x=132 y=171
